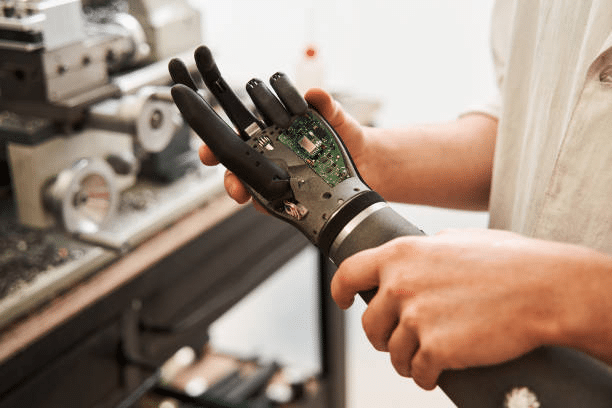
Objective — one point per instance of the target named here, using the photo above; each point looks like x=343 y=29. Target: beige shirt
x=552 y=174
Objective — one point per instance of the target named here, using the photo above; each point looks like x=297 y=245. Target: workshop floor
x=277 y=321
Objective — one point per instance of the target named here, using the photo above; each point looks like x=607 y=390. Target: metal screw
x=157 y=118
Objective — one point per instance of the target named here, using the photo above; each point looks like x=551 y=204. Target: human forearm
x=447 y=165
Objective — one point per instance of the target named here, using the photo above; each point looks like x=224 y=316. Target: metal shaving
x=25 y=253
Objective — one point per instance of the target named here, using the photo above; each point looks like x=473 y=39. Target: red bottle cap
x=311 y=52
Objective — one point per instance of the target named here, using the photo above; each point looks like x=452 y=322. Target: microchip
x=316 y=145
x=309 y=145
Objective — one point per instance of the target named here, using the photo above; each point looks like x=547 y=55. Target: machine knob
x=151 y=119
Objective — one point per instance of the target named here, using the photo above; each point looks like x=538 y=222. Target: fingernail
x=381 y=347
x=343 y=306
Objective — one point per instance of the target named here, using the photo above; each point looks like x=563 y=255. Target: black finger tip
x=204 y=58
x=175 y=91
x=203 y=50
x=253 y=83
x=175 y=63
x=180 y=92
x=180 y=73
x=277 y=76
x=176 y=66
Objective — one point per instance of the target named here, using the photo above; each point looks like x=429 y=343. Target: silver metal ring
x=352 y=224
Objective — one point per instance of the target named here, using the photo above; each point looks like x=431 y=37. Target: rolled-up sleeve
x=501 y=23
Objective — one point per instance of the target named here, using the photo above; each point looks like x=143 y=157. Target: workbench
x=95 y=343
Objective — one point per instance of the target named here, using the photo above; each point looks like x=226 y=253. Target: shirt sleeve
x=490 y=107
x=501 y=23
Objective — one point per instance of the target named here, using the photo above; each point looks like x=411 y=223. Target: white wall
x=425 y=60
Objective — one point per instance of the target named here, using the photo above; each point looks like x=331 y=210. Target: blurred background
x=421 y=61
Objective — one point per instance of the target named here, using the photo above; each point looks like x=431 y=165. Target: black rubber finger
x=288 y=94
x=241 y=117
x=207 y=66
x=268 y=104
x=180 y=74
x=263 y=175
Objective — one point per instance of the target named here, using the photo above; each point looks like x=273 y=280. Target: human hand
x=466 y=298
x=345 y=125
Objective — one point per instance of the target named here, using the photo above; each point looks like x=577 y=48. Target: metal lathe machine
x=117 y=247
x=93 y=154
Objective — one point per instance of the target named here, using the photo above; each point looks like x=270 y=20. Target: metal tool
x=298 y=169
x=84 y=196
x=226 y=383
x=252 y=385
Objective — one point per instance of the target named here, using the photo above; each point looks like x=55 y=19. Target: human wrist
x=585 y=323
x=368 y=158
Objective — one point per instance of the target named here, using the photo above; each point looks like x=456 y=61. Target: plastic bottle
x=310 y=71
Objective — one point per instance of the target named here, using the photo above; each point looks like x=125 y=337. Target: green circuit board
x=314 y=143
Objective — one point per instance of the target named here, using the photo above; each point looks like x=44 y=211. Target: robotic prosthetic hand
x=296 y=166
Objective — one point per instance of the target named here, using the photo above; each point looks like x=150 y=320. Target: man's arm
x=467 y=298
x=444 y=165
x=447 y=165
